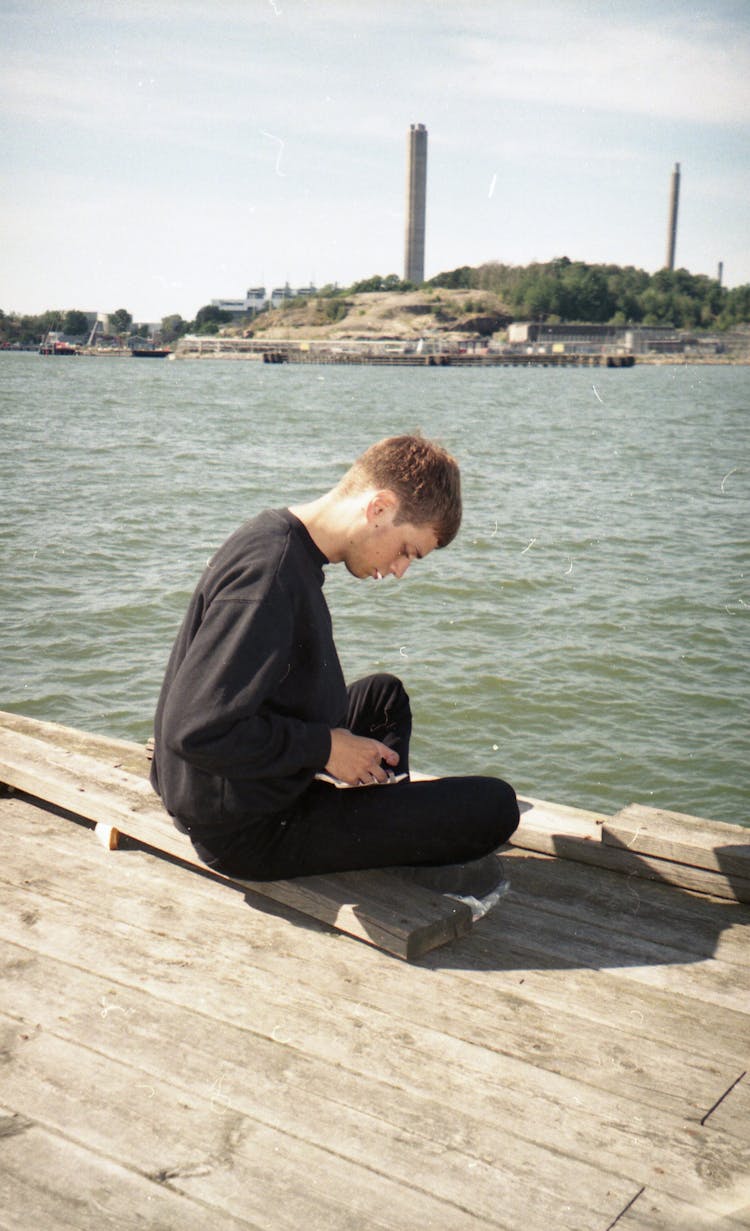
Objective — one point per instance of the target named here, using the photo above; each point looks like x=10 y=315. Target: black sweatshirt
x=253 y=685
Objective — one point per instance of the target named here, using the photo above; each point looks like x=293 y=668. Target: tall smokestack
x=416 y=191
x=673 y=204
x=720 y=273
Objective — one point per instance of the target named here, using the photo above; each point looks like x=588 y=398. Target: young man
x=254 y=705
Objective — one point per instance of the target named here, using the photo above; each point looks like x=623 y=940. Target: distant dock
x=456 y=361
x=385 y=354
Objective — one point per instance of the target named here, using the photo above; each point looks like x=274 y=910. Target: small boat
x=57 y=348
x=149 y=352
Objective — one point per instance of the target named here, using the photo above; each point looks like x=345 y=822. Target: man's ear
x=382 y=505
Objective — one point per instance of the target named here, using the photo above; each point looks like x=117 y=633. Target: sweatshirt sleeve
x=219 y=714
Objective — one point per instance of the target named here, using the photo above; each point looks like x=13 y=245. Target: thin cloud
x=111 y=114
x=620 y=68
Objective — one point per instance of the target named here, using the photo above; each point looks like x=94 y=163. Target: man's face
x=384 y=548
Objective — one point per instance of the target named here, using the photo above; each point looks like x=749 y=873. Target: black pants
x=449 y=820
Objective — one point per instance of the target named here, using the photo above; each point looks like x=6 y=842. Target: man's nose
x=399 y=566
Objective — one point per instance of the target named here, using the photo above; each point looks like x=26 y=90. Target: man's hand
x=357 y=760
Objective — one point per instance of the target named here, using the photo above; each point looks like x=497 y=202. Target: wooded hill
x=564 y=290
x=486 y=297
x=493 y=293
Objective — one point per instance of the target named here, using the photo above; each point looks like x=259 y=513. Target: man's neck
x=327 y=521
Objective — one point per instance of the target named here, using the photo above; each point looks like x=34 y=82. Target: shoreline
x=403 y=353
x=212 y=348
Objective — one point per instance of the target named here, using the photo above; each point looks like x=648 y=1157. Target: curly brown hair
x=424 y=477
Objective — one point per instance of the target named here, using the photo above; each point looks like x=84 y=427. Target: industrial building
x=257 y=300
x=535 y=337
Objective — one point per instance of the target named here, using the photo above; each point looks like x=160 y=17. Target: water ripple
x=585 y=637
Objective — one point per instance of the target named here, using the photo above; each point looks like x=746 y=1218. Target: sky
x=155 y=156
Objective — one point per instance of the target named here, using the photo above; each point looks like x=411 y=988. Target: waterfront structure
x=282 y=294
x=416 y=193
x=543 y=338
x=674 y=201
x=256 y=299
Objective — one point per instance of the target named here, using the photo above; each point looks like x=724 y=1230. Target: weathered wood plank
x=696 y=827
x=699 y=926
x=227 y=1124
x=521 y=974
x=125 y=753
x=374 y=906
x=412 y=1132
x=643 y=961
x=548 y=829
x=207 y=1147
x=408 y=1133
x=326 y=1036
x=374 y=1026
x=650 y=1210
x=491 y=977
x=730 y=1111
x=510 y=1079
x=378 y=907
x=49 y=1181
x=716 y=847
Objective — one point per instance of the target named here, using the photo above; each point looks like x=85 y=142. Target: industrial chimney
x=416 y=191
x=673 y=204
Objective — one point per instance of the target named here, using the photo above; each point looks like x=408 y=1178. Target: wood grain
x=377 y=906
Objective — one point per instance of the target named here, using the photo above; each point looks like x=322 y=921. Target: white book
x=338 y=782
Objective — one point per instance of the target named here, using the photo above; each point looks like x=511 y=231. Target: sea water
x=585 y=637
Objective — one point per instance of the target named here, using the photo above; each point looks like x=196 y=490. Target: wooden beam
x=714 y=856
x=568 y=833
x=379 y=907
x=712 y=845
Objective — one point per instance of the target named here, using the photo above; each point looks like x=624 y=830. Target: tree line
x=567 y=291
x=29 y=330
x=559 y=290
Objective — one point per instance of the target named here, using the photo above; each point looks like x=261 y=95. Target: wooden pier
x=373 y=354
x=181 y=1052
x=449 y=359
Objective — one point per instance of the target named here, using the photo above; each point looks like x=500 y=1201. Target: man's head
x=423 y=477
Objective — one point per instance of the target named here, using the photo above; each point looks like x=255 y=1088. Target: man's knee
x=385 y=686
x=499 y=810
x=378 y=699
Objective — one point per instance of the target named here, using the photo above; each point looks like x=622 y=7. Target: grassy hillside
x=386 y=314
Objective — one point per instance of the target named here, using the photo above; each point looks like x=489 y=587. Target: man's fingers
x=389 y=755
x=374 y=776
x=358 y=760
